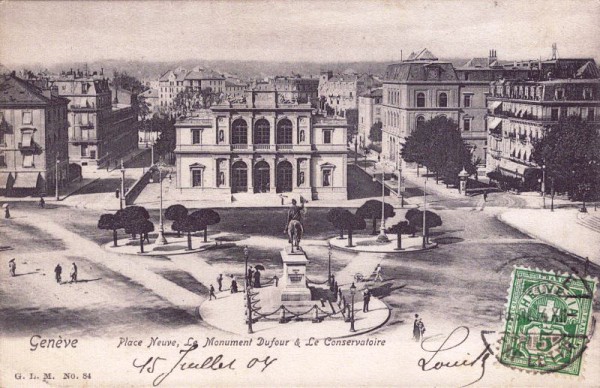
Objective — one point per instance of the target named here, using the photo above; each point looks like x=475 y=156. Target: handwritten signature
x=155 y=364
x=456 y=338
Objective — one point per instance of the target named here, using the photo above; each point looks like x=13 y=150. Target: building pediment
x=197 y=165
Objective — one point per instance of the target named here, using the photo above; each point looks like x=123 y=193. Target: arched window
x=443 y=100
x=420 y=121
x=284 y=132
x=420 y=100
x=262 y=132
x=239 y=132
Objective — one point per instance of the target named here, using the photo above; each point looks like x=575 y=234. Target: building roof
x=15 y=91
x=423 y=55
x=420 y=71
x=150 y=93
x=480 y=63
x=204 y=74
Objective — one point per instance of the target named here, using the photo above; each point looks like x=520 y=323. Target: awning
x=495 y=105
x=495 y=123
x=26 y=180
x=5 y=179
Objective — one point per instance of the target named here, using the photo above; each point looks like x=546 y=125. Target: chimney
x=492 y=58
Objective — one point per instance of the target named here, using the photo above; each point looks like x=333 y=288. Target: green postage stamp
x=547 y=321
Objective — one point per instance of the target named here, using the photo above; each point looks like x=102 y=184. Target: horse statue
x=295 y=231
x=294 y=228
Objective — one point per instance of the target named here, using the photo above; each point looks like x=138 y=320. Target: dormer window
x=587 y=94
x=559 y=94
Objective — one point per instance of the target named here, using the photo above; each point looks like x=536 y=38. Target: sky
x=317 y=31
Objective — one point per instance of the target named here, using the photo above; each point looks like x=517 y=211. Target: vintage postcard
x=299 y=193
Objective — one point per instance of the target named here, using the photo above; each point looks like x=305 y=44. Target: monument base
x=294 y=287
x=300 y=295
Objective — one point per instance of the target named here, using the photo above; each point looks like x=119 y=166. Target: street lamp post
x=329 y=265
x=352 y=292
x=160 y=239
x=122 y=197
x=400 y=186
x=56 y=179
x=544 y=186
x=247 y=289
x=424 y=214
x=382 y=237
x=246 y=254
x=551 y=194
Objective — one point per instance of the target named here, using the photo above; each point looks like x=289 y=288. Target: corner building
x=262 y=147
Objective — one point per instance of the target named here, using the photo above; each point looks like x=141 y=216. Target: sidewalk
x=560 y=229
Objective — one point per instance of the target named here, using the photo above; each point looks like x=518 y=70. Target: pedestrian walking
x=212 y=293
x=378 y=276
x=485 y=196
x=6 y=211
x=366 y=300
x=234 y=286
x=58 y=273
x=73 y=273
x=220 y=281
x=42 y=202
x=276 y=278
x=12 y=267
x=147 y=238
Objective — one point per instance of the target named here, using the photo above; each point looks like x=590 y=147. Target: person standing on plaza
x=378 y=276
x=256 y=278
x=74 y=273
x=220 y=281
x=12 y=267
x=485 y=196
x=417 y=328
x=42 y=202
x=234 y=286
x=6 y=211
x=249 y=277
x=58 y=273
x=366 y=300
x=212 y=293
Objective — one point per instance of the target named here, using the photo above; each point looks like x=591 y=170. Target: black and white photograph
x=278 y=193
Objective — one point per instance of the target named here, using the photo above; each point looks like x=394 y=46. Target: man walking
x=42 y=202
x=485 y=196
x=234 y=286
x=366 y=300
x=418 y=328
x=74 y=273
x=378 y=276
x=249 y=277
x=220 y=281
x=58 y=273
x=212 y=293
x=12 y=267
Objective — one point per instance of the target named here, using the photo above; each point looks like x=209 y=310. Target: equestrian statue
x=294 y=228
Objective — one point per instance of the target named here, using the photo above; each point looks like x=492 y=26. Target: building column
x=250 y=164
x=272 y=173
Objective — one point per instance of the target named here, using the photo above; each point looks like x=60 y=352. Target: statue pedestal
x=294 y=276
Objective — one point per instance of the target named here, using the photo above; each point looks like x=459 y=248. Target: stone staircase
x=265 y=199
x=589 y=221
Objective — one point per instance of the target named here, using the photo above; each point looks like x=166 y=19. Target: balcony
x=27 y=147
x=285 y=147
x=264 y=147
x=239 y=147
x=194 y=148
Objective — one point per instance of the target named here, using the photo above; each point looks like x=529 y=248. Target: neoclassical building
x=264 y=144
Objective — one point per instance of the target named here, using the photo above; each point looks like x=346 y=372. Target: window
x=239 y=132
x=554 y=114
x=467 y=100
x=27 y=138
x=2 y=160
x=590 y=116
x=196 y=177
x=27 y=118
x=563 y=112
x=420 y=121
x=327 y=136
x=443 y=100
x=420 y=100
x=466 y=124
x=327 y=177
x=587 y=94
x=196 y=136
x=28 y=160
x=559 y=94
x=284 y=132
x=262 y=132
